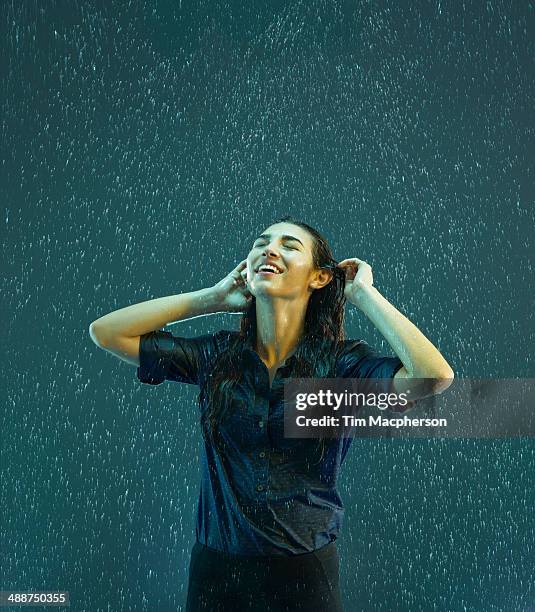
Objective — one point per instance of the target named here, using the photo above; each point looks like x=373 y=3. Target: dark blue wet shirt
x=266 y=494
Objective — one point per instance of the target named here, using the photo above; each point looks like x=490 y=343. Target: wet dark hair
x=314 y=356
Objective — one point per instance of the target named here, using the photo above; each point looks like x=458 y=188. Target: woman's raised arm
x=147 y=316
x=118 y=332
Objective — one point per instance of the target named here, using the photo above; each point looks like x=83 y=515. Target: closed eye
x=256 y=246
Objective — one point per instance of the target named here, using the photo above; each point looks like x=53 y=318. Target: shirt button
x=262 y=454
x=259 y=487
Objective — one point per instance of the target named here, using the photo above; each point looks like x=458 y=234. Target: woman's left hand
x=358 y=276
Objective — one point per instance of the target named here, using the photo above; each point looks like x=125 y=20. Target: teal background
x=145 y=144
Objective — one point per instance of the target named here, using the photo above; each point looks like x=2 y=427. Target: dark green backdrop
x=145 y=143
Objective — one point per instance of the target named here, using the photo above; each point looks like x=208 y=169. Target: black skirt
x=220 y=582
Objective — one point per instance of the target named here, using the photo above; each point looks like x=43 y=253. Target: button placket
x=262 y=466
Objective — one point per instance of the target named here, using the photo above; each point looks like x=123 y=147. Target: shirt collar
x=249 y=348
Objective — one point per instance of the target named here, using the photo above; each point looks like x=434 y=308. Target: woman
x=269 y=512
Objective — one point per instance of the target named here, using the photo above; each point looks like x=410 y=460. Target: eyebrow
x=284 y=237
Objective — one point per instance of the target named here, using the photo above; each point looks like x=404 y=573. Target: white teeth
x=268 y=267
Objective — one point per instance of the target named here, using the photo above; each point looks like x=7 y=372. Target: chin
x=260 y=291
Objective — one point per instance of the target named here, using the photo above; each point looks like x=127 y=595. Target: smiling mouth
x=268 y=273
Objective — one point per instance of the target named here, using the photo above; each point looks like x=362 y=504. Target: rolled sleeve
x=360 y=361
x=164 y=356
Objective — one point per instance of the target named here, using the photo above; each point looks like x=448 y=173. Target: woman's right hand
x=232 y=291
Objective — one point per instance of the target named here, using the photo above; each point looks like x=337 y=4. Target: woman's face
x=289 y=248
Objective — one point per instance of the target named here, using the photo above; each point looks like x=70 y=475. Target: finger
x=237 y=273
x=236 y=277
x=241 y=265
x=351 y=261
x=348 y=267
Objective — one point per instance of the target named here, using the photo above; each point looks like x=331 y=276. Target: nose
x=269 y=250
